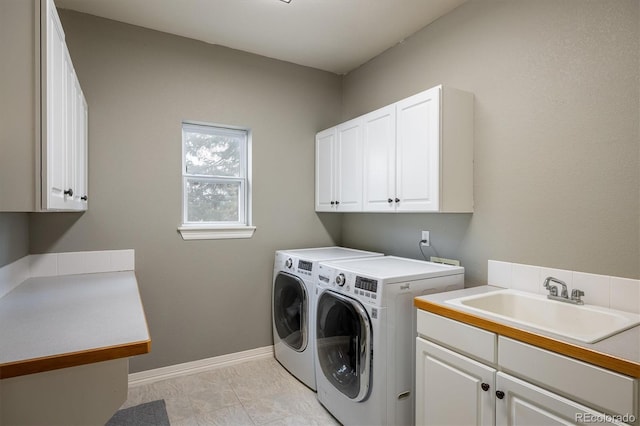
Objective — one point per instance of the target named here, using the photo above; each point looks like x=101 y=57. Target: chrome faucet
x=553 y=290
x=551 y=284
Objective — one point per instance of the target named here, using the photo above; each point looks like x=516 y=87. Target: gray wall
x=202 y=298
x=556 y=168
x=14 y=237
x=557 y=144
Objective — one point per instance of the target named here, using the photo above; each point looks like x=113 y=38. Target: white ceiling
x=331 y=35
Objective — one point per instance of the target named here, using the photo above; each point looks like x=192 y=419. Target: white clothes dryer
x=293 y=306
x=365 y=335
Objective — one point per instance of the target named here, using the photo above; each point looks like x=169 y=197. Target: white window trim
x=222 y=230
x=214 y=232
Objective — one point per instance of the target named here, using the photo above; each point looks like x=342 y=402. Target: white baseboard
x=163 y=373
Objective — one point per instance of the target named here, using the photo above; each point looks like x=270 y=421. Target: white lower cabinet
x=525 y=404
x=458 y=384
x=452 y=389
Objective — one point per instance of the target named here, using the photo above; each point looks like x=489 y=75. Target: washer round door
x=290 y=310
x=343 y=341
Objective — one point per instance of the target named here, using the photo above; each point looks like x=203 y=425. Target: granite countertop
x=55 y=322
x=620 y=352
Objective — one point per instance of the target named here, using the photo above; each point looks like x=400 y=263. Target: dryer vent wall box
x=365 y=306
x=415 y=155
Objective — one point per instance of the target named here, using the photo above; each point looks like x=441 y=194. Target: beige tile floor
x=259 y=392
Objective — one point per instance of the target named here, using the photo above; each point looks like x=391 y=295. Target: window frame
x=242 y=228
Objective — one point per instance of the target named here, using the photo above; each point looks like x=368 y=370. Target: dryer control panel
x=368 y=284
x=366 y=289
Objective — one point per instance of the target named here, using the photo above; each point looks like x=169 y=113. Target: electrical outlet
x=425 y=240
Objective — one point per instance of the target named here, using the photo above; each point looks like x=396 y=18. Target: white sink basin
x=586 y=323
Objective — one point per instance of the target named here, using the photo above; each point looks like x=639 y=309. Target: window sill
x=210 y=232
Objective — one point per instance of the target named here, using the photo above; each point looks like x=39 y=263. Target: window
x=216 y=170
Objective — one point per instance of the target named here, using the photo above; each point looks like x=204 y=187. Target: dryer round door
x=343 y=341
x=290 y=310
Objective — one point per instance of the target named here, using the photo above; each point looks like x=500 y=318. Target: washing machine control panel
x=294 y=265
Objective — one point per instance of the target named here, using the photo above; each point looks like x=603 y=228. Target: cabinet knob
x=485 y=386
x=499 y=394
x=337 y=202
x=69 y=192
x=397 y=200
x=84 y=198
x=333 y=202
x=389 y=200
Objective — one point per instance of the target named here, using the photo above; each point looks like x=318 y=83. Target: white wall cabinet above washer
x=43 y=165
x=339 y=168
x=417 y=156
x=379 y=160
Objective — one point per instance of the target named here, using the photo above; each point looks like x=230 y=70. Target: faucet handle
x=576 y=295
x=553 y=290
x=546 y=284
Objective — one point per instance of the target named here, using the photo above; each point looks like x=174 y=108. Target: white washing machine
x=365 y=335
x=293 y=306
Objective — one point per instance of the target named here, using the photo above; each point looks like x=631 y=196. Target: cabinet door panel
x=526 y=404
x=72 y=201
x=55 y=149
x=379 y=146
x=449 y=388
x=325 y=155
x=418 y=152
x=81 y=148
x=349 y=166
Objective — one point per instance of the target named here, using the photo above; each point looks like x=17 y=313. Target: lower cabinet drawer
x=467 y=339
x=594 y=386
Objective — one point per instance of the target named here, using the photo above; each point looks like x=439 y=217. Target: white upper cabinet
x=339 y=168
x=379 y=152
x=51 y=141
x=64 y=135
x=81 y=151
x=416 y=156
x=417 y=152
x=325 y=170
x=349 y=166
x=55 y=113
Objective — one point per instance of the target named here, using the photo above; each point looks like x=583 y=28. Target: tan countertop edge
x=73 y=359
x=600 y=359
